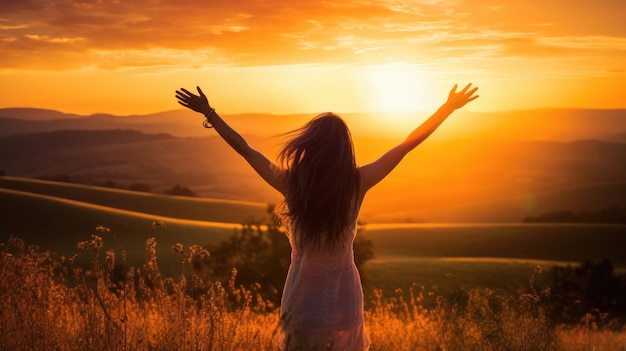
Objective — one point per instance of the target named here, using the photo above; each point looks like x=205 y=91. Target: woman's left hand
x=198 y=103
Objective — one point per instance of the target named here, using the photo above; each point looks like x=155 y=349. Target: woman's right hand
x=460 y=99
x=198 y=103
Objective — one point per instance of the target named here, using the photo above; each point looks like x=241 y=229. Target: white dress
x=322 y=303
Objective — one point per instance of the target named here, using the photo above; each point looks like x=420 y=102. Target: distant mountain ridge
x=542 y=124
x=176 y=122
x=490 y=181
x=77 y=138
x=35 y=114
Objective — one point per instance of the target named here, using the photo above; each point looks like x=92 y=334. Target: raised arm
x=261 y=164
x=374 y=172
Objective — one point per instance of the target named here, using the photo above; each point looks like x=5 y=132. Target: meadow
x=50 y=303
x=76 y=299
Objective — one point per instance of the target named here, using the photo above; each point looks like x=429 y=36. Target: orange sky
x=275 y=56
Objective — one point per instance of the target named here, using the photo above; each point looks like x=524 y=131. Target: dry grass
x=51 y=303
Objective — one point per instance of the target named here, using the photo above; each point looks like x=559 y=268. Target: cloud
x=61 y=34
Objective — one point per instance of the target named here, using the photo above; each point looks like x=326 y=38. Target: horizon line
x=307 y=113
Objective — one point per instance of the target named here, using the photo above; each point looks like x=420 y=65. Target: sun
x=397 y=88
x=400 y=93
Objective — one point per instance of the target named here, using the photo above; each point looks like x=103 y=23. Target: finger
x=471 y=92
x=453 y=91
x=183 y=100
x=465 y=89
x=473 y=98
x=187 y=92
x=200 y=91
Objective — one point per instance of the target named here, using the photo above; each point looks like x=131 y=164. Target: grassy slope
x=560 y=242
x=201 y=209
x=56 y=216
x=493 y=256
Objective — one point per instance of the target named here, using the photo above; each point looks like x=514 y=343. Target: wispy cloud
x=54 y=34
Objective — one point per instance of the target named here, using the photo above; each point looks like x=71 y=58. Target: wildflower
x=531 y=282
x=157 y=224
x=82 y=245
x=110 y=260
x=178 y=247
x=151 y=245
x=97 y=242
x=103 y=229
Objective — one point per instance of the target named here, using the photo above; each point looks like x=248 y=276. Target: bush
x=179 y=190
x=589 y=287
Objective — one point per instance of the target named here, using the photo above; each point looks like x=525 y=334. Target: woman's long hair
x=322 y=181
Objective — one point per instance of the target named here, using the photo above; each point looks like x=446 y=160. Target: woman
x=323 y=188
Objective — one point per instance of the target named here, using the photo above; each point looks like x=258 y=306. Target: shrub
x=179 y=190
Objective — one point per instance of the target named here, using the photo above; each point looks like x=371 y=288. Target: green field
x=56 y=216
x=201 y=209
x=484 y=255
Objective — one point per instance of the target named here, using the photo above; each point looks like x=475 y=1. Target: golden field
x=51 y=303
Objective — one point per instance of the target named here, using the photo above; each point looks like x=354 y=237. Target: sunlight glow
x=391 y=92
x=400 y=92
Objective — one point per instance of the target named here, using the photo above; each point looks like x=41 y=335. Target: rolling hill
x=56 y=216
x=207 y=165
x=186 y=208
x=490 y=167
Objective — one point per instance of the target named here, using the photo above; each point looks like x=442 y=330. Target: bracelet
x=206 y=123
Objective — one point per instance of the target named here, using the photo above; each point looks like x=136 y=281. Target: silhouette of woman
x=323 y=188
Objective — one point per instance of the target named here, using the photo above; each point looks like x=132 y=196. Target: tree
x=612 y=214
x=179 y=190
